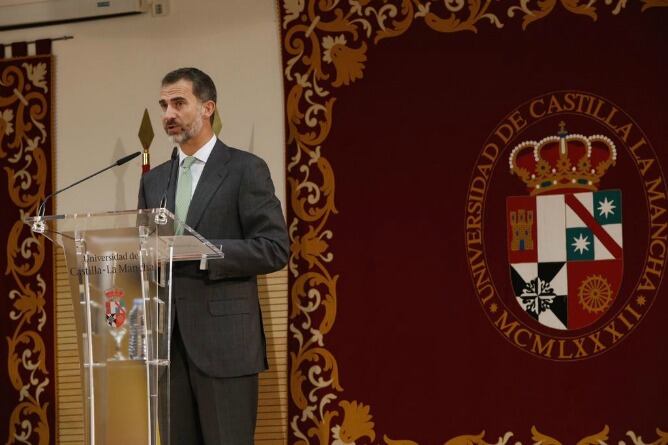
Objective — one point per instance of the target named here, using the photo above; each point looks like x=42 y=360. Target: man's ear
x=209 y=108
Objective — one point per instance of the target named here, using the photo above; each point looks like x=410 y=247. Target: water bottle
x=137 y=340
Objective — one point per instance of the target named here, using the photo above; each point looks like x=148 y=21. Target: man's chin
x=179 y=138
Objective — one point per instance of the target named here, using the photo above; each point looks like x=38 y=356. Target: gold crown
x=566 y=162
x=115 y=292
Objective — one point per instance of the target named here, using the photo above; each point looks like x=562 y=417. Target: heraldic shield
x=564 y=240
x=114 y=305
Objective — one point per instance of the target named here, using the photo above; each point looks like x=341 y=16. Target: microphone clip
x=161 y=217
x=38 y=226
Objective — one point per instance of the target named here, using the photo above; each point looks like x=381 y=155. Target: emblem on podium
x=114 y=305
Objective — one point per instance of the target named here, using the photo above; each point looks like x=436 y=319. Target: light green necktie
x=184 y=192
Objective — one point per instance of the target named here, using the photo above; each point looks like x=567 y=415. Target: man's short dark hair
x=203 y=87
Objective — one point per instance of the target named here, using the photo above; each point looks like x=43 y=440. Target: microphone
x=123 y=160
x=175 y=156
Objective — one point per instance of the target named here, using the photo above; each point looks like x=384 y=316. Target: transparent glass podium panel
x=119 y=267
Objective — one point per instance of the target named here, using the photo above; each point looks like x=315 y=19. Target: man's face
x=182 y=112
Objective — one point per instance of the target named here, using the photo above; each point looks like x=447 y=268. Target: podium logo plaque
x=114 y=305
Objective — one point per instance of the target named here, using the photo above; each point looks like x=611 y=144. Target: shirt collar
x=202 y=154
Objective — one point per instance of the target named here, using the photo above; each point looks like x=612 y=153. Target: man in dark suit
x=225 y=194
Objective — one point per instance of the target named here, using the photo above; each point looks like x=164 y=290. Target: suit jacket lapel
x=213 y=175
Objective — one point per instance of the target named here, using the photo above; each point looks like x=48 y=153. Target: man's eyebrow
x=172 y=99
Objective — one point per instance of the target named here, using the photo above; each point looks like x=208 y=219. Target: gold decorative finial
x=146 y=131
x=146 y=137
x=217 y=123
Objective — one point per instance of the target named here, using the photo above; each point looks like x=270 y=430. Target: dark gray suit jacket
x=218 y=309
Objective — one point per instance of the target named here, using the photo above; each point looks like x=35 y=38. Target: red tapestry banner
x=27 y=405
x=477 y=209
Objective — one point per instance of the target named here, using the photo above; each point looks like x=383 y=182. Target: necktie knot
x=188 y=161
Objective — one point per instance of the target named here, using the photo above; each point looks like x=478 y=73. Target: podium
x=119 y=266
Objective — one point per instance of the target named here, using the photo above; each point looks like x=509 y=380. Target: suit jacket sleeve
x=265 y=246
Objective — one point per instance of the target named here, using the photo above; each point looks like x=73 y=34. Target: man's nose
x=169 y=113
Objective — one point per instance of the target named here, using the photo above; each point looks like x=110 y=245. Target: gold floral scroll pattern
x=538 y=438
x=23 y=135
x=325 y=44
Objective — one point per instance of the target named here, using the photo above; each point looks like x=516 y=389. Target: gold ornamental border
x=25 y=84
x=325 y=45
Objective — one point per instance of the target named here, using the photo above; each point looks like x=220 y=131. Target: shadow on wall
x=121 y=175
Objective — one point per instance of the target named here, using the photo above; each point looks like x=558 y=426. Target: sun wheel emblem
x=595 y=294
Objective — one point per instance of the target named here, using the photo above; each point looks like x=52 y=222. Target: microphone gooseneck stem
x=123 y=160
x=42 y=209
x=174 y=157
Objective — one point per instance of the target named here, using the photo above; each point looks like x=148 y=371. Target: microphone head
x=127 y=158
x=175 y=153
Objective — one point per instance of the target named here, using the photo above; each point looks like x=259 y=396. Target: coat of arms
x=565 y=237
x=114 y=307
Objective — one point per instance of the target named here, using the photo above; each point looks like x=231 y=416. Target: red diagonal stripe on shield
x=599 y=232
